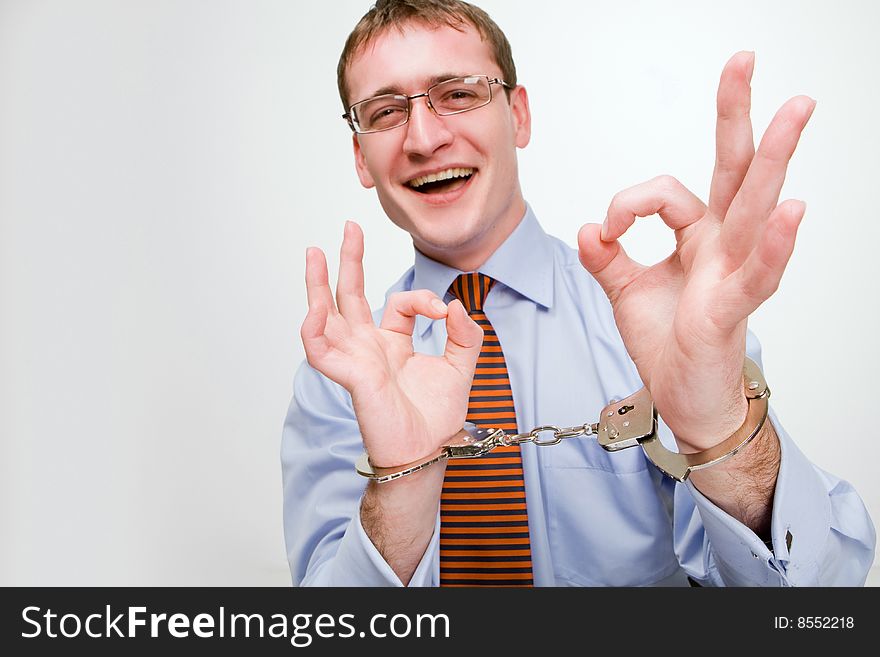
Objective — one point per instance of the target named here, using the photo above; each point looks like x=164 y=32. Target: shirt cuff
x=359 y=563
x=800 y=526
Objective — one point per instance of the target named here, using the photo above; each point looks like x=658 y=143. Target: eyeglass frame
x=426 y=96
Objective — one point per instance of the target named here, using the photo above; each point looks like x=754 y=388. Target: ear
x=522 y=116
x=360 y=163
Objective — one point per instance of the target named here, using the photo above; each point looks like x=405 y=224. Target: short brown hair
x=387 y=14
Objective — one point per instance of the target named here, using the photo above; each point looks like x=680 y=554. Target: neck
x=471 y=255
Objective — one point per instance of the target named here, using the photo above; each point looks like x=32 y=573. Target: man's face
x=463 y=220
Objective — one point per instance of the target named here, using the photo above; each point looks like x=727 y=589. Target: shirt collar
x=523 y=263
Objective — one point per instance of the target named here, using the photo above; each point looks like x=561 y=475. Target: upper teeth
x=441 y=175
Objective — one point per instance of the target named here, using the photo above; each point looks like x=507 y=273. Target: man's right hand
x=407 y=404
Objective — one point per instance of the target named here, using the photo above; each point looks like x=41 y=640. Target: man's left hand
x=683 y=320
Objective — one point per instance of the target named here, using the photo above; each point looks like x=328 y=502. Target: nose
x=426 y=132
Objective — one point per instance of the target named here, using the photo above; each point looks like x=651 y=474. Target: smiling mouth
x=442 y=181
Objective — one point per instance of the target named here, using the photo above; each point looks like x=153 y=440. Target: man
x=499 y=324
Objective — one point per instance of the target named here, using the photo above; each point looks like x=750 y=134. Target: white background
x=164 y=164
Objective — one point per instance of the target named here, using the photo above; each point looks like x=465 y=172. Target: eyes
x=445 y=98
x=458 y=98
x=387 y=116
x=388 y=111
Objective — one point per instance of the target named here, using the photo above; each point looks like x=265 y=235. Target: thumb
x=464 y=339
x=609 y=264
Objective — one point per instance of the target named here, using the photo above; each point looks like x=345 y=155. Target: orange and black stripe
x=484 y=529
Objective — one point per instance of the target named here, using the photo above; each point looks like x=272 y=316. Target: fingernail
x=438 y=305
x=604 y=233
x=751 y=68
x=811 y=108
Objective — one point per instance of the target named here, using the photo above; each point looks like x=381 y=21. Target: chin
x=453 y=242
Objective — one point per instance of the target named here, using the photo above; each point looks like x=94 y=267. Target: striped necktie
x=484 y=532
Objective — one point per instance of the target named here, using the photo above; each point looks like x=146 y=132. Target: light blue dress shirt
x=595 y=518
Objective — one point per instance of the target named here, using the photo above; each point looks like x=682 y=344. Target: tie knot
x=471 y=289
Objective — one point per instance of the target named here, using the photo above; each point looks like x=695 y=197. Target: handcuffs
x=622 y=424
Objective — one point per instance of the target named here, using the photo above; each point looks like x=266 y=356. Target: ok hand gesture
x=683 y=320
x=407 y=404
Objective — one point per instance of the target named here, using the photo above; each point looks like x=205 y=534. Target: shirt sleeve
x=326 y=544
x=821 y=532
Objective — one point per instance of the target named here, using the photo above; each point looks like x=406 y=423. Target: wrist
x=680 y=465
x=697 y=438
x=408 y=500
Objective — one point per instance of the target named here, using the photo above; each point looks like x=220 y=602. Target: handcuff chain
x=559 y=434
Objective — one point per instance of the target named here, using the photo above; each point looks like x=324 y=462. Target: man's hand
x=683 y=320
x=407 y=404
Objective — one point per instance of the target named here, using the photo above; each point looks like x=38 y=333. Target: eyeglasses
x=444 y=98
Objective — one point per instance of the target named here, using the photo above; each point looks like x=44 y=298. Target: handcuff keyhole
x=623 y=410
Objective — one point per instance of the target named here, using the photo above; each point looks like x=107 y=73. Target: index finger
x=734 y=141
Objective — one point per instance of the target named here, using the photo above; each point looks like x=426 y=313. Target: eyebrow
x=430 y=82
